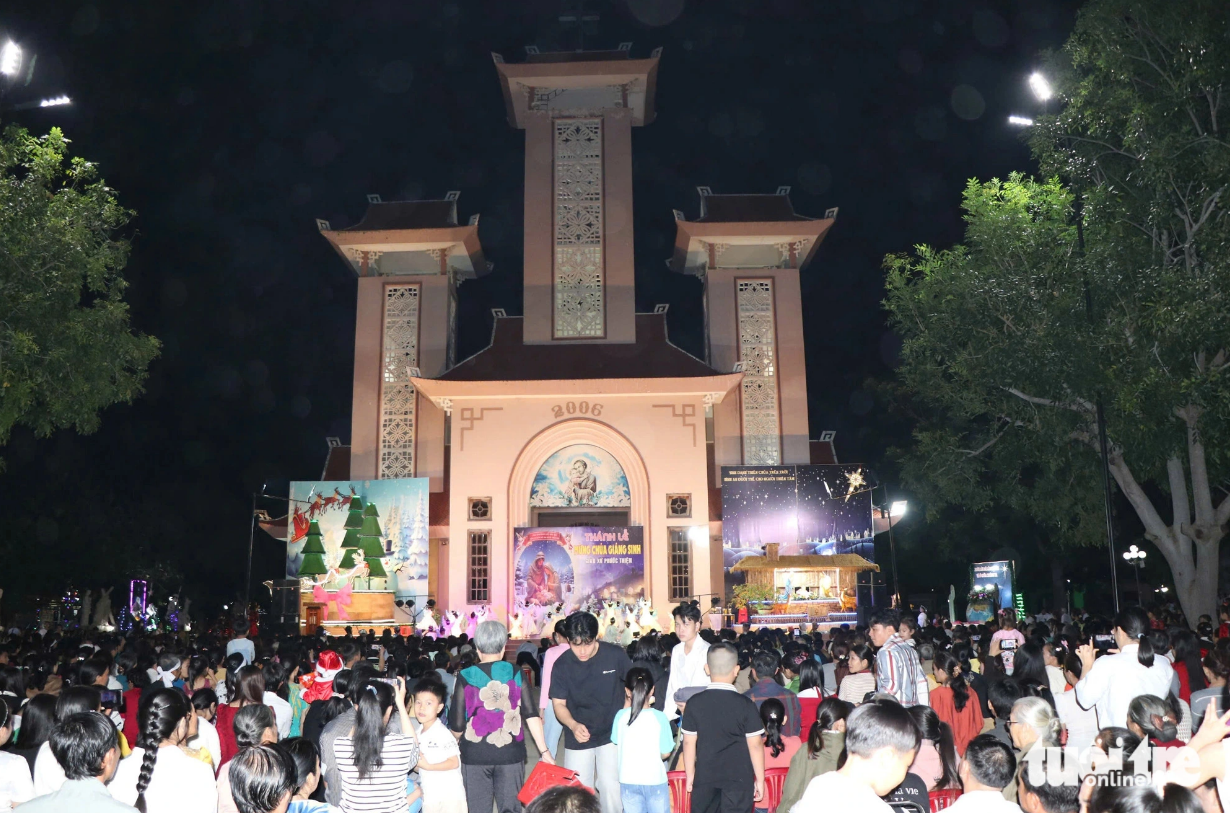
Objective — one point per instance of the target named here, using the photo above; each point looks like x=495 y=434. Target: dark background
x=230 y=126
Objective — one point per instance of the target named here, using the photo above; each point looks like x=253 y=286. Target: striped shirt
x=384 y=788
x=899 y=673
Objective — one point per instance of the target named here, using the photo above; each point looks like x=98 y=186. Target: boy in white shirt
x=439 y=762
x=881 y=743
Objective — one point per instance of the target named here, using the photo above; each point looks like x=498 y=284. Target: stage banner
x=337 y=526
x=576 y=565
x=808 y=510
x=991 y=590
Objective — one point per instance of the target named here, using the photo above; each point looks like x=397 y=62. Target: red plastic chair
x=774 y=781
x=681 y=800
x=941 y=799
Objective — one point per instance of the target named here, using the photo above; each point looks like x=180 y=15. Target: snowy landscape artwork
x=394 y=510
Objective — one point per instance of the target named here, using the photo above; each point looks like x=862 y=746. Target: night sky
x=230 y=126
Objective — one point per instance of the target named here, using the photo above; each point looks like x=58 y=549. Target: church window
x=479 y=555
x=758 y=352
x=681 y=564
x=397 y=395
x=579 y=305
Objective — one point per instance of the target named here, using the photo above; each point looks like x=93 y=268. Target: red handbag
x=544 y=777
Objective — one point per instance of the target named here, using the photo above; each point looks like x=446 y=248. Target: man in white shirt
x=1111 y=682
x=688 y=656
x=989 y=765
x=881 y=742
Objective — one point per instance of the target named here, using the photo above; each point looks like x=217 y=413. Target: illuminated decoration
x=397 y=396
x=138 y=595
x=757 y=350
x=855 y=482
x=579 y=305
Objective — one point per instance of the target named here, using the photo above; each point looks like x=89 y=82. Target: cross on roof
x=577 y=17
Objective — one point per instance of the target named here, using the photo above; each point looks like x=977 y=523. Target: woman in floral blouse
x=491 y=710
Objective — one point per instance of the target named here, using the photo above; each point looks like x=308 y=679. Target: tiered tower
x=749 y=250
x=410 y=256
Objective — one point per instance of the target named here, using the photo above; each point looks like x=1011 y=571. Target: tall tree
x=1014 y=336
x=67 y=350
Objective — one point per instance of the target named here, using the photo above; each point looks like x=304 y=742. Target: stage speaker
x=285 y=610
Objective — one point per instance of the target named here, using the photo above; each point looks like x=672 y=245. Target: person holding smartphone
x=1006 y=639
x=1111 y=682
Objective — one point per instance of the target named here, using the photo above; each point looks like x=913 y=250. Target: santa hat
x=319 y=684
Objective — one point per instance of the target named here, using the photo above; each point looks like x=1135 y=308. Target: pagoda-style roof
x=510 y=368
x=509 y=358
x=408 y=214
x=747 y=209
x=847 y=561
x=746 y=231
x=579 y=82
x=410 y=238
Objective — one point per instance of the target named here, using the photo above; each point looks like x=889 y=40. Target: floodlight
x=1020 y=121
x=698 y=534
x=898 y=508
x=1040 y=87
x=56 y=102
x=10 y=58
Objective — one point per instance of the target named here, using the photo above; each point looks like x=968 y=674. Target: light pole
x=896 y=510
x=1043 y=92
x=12 y=63
x=1136 y=558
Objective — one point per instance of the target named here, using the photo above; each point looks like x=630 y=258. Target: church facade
x=580 y=412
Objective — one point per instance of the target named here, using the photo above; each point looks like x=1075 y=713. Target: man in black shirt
x=723 y=752
x=587 y=689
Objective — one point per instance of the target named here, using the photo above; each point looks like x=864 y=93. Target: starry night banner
x=806 y=509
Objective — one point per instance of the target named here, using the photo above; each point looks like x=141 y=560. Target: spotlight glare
x=898 y=508
x=55 y=102
x=1040 y=87
x=10 y=58
x=1020 y=121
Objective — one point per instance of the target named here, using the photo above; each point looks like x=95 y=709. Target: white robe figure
x=457 y=623
x=516 y=629
x=87 y=605
x=426 y=623
x=102 y=611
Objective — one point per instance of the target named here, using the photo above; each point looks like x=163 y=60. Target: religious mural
x=578 y=566
x=385 y=521
x=821 y=510
x=580 y=476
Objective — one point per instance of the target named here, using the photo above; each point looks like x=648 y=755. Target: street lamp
x=1040 y=87
x=1136 y=558
x=10 y=58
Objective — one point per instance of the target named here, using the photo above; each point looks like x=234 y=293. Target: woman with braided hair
x=160 y=776
x=954 y=701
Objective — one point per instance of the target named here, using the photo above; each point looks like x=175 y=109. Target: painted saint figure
x=582 y=486
x=541 y=582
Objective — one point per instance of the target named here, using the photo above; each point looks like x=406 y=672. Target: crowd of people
x=872 y=718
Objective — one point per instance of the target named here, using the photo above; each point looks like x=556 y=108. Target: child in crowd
x=643 y=737
x=779 y=749
x=1007 y=639
x=439 y=762
x=723 y=754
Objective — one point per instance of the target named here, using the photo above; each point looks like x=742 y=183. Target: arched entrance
x=544 y=474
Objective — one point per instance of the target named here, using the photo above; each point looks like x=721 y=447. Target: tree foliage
x=67 y=349
x=1014 y=336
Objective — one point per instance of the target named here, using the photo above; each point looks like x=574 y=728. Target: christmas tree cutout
x=354 y=522
x=313 y=553
x=371 y=542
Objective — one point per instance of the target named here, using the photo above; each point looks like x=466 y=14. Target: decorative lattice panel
x=579 y=307
x=757 y=349
x=401 y=355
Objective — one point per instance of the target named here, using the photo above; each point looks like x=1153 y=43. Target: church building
x=580 y=412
